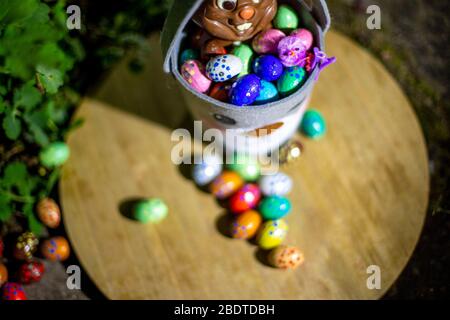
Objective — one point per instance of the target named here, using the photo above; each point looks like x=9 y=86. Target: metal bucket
x=244 y=124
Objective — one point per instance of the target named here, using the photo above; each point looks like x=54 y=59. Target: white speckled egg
x=278 y=184
x=207 y=171
x=223 y=68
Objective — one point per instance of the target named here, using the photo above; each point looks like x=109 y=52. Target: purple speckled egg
x=267 y=41
x=245 y=90
x=291 y=51
x=193 y=72
x=268 y=67
x=304 y=35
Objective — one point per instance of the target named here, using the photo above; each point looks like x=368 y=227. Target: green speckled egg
x=246 y=166
x=151 y=210
x=274 y=207
x=245 y=53
x=55 y=154
x=291 y=80
x=286 y=18
x=313 y=124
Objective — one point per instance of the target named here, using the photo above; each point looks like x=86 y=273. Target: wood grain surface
x=359 y=196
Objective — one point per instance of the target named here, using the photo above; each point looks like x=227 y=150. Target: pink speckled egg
x=267 y=41
x=194 y=73
x=305 y=36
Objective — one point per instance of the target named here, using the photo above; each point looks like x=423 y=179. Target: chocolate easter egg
x=26 y=245
x=31 y=271
x=245 y=90
x=55 y=154
x=246 y=225
x=246 y=166
x=193 y=72
x=267 y=41
x=268 y=68
x=305 y=36
x=48 y=212
x=291 y=51
x=151 y=210
x=13 y=291
x=220 y=91
x=278 y=184
x=291 y=80
x=268 y=93
x=226 y=184
x=245 y=53
x=206 y=171
x=313 y=124
x=189 y=54
x=286 y=257
x=223 y=68
x=56 y=249
x=286 y=18
x=274 y=207
x=3 y=274
x=271 y=234
x=245 y=198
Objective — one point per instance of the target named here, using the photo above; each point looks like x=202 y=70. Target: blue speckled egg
x=274 y=207
x=268 y=68
x=207 y=171
x=223 y=68
x=268 y=93
x=245 y=90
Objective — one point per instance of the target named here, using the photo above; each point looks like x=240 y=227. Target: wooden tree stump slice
x=359 y=198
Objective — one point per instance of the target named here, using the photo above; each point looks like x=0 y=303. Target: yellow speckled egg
x=286 y=257
x=272 y=234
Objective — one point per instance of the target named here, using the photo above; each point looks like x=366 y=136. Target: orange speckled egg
x=55 y=249
x=286 y=257
x=48 y=212
x=3 y=274
x=246 y=225
x=226 y=184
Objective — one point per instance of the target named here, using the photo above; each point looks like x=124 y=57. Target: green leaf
x=51 y=79
x=33 y=223
x=2 y=105
x=5 y=207
x=15 y=172
x=27 y=96
x=39 y=135
x=11 y=125
x=14 y=11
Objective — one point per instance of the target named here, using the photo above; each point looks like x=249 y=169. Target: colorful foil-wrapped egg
x=246 y=225
x=272 y=234
x=223 y=68
x=246 y=166
x=291 y=152
x=13 y=291
x=268 y=93
x=274 y=207
x=286 y=18
x=55 y=249
x=3 y=274
x=245 y=198
x=267 y=41
x=30 y=272
x=245 y=53
x=226 y=184
x=268 y=68
x=278 y=184
x=206 y=171
x=151 y=210
x=291 y=80
x=26 y=245
x=193 y=72
x=286 y=257
x=48 y=212
x=54 y=155
x=291 y=51
x=220 y=91
x=245 y=90
x=305 y=36
x=313 y=124
x=189 y=54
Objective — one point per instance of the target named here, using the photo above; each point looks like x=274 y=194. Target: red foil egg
x=245 y=199
x=13 y=291
x=31 y=272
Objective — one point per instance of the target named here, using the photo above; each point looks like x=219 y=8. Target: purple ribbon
x=321 y=58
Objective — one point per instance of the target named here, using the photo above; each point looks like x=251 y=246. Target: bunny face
x=236 y=20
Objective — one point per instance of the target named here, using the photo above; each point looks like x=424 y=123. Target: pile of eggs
x=24 y=248
x=272 y=65
x=257 y=203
